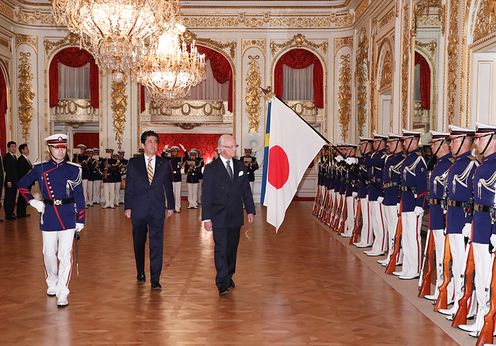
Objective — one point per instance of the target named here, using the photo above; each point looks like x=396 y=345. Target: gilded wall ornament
x=27 y=39
x=71 y=39
x=6 y=10
x=25 y=93
x=119 y=108
x=190 y=36
x=361 y=75
x=253 y=93
x=344 y=95
x=386 y=79
x=424 y=17
x=453 y=58
x=486 y=20
x=360 y=9
x=428 y=47
x=386 y=19
x=342 y=42
x=252 y=43
x=298 y=40
x=405 y=65
x=29 y=17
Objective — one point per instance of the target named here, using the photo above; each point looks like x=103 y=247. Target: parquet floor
x=299 y=287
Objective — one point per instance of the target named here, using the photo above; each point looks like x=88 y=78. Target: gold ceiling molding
x=119 y=107
x=29 y=17
x=360 y=9
x=252 y=43
x=6 y=10
x=453 y=57
x=26 y=39
x=25 y=93
x=486 y=20
x=405 y=65
x=428 y=47
x=190 y=36
x=71 y=40
x=387 y=18
x=423 y=16
x=298 y=41
x=342 y=42
x=253 y=93
x=361 y=79
x=344 y=95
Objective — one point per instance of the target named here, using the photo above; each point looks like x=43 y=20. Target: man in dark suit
x=1 y=178
x=23 y=167
x=226 y=188
x=11 y=177
x=149 y=181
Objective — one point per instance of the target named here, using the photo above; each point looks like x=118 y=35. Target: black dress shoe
x=11 y=217
x=156 y=286
x=223 y=291
x=141 y=277
x=231 y=285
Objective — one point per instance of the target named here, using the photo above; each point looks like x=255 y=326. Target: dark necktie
x=229 y=169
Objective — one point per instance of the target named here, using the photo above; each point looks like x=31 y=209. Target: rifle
x=461 y=314
x=487 y=331
x=442 y=299
x=425 y=277
x=344 y=215
x=355 y=235
x=76 y=237
x=391 y=267
x=337 y=214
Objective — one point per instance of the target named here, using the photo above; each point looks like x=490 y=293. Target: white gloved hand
x=467 y=230
x=38 y=205
x=493 y=240
x=339 y=158
x=398 y=208
x=79 y=226
x=380 y=199
x=354 y=194
x=418 y=211
x=182 y=147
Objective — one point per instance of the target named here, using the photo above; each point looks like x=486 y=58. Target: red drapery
x=298 y=59
x=206 y=143
x=425 y=81
x=221 y=70
x=3 y=111
x=90 y=139
x=142 y=98
x=73 y=57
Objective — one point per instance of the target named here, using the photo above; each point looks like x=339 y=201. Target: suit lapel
x=158 y=163
x=223 y=168
x=143 y=168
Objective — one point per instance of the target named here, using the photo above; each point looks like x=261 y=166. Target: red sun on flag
x=278 y=167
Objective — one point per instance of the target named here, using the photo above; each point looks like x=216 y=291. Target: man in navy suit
x=149 y=181
x=226 y=188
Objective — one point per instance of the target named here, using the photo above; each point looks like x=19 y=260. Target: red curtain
x=3 y=112
x=425 y=81
x=90 y=139
x=73 y=57
x=206 y=143
x=221 y=69
x=142 y=98
x=298 y=59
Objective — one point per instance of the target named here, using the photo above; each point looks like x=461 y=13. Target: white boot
x=62 y=301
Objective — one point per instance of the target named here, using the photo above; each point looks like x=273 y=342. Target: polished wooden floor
x=298 y=287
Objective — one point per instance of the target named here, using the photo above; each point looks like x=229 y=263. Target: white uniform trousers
x=252 y=186
x=411 y=224
x=192 y=195
x=97 y=185
x=91 y=184
x=376 y=220
x=365 y=234
x=117 y=193
x=457 y=247
x=200 y=186
x=85 y=192
x=58 y=244
x=390 y=213
x=350 y=216
x=176 y=188
x=108 y=193
x=439 y=240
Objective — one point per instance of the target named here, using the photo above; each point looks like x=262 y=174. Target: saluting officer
x=413 y=190
x=62 y=212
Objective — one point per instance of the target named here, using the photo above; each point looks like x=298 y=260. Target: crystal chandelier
x=116 y=32
x=171 y=68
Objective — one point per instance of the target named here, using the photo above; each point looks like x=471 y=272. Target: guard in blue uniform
x=484 y=184
x=192 y=178
x=459 y=191
x=365 y=234
x=391 y=195
x=351 y=189
x=413 y=190
x=436 y=202
x=176 y=163
x=62 y=212
x=375 y=166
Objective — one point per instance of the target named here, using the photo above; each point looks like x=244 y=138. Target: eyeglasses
x=231 y=146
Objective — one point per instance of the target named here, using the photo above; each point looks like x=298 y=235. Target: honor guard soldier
x=391 y=185
x=484 y=187
x=200 y=164
x=251 y=166
x=81 y=158
x=460 y=198
x=366 y=151
x=123 y=171
x=108 y=180
x=97 y=177
x=116 y=178
x=436 y=201
x=192 y=178
x=62 y=213
x=375 y=165
x=413 y=190
x=338 y=189
x=351 y=192
x=88 y=165
x=176 y=163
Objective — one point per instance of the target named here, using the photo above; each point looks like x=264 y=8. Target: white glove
x=380 y=199
x=493 y=240
x=398 y=208
x=182 y=147
x=354 y=194
x=418 y=211
x=339 y=158
x=79 y=227
x=467 y=230
x=351 y=160
x=38 y=205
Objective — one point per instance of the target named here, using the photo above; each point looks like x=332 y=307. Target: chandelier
x=116 y=32
x=172 y=67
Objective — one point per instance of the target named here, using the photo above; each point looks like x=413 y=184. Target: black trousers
x=141 y=226
x=10 y=200
x=225 y=251
x=21 y=206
